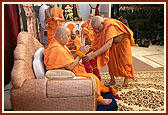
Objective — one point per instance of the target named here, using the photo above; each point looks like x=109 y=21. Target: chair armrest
x=31 y=89
x=70 y=88
x=35 y=88
x=45 y=95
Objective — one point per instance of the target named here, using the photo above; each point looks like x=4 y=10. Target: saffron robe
x=119 y=56
x=52 y=25
x=87 y=32
x=58 y=56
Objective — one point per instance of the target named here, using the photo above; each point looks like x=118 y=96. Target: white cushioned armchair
x=31 y=94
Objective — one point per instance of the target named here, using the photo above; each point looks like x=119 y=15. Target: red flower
x=88 y=67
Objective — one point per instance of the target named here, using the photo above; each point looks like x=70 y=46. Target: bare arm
x=72 y=65
x=104 y=48
x=59 y=19
x=100 y=51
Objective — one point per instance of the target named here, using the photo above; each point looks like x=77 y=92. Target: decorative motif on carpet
x=144 y=93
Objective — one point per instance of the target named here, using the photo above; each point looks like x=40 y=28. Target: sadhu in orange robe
x=58 y=56
x=119 y=56
x=77 y=43
x=52 y=25
x=87 y=32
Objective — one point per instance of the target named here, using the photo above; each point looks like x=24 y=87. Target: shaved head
x=73 y=35
x=62 y=34
x=96 y=20
x=97 y=23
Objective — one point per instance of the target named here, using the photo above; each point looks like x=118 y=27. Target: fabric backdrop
x=11 y=30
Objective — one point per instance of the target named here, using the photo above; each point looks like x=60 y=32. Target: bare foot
x=125 y=84
x=105 y=102
x=112 y=82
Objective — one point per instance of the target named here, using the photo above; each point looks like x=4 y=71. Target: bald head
x=97 y=23
x=73 y=35
x=62 y=34
x=96 y=20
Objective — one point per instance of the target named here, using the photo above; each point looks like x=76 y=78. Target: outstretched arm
x=59 y=19
x=74 y=64
x=100 y=51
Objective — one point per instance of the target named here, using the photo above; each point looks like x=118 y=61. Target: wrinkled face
x=66 y=37
x=98 y=27
x=90 y=16
x=73 y=35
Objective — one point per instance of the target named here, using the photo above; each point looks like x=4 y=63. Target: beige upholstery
x=31 y=94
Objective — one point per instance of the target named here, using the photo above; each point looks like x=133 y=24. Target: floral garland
x=91 y=67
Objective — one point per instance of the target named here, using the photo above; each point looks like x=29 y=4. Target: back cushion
x=23 y=59
x=38 y=64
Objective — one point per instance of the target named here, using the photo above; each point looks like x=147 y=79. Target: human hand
x=55 y=18
x=87 y=48
x=88 y=57
x=84 y=49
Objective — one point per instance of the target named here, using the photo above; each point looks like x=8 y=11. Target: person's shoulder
x=54 y=47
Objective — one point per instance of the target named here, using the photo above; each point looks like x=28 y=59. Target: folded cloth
x=112 y=106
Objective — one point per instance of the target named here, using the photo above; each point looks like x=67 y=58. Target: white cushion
x=59 y=74
x=38 y=64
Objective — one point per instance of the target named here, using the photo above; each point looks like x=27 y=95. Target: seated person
x=74 y=42
x=145 y=43
x=57 y=55
x=138 y=42
x=90 y=66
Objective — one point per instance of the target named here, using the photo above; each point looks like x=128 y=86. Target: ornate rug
x=144 y=93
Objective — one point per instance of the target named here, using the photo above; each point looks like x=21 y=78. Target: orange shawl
x=112 y=28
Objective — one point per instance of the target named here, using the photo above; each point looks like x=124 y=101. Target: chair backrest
x=71 y=26
x=23 y=58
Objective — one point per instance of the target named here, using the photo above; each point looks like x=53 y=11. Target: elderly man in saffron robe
x=57 y=55
x=112 y=46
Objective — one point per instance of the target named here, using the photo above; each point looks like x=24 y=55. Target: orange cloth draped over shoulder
x=87 y=32
x=58 y=56
x=77 y=43
x=119 y=56
x=52 y=25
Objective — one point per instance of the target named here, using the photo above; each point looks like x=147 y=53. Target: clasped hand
x=85 y=50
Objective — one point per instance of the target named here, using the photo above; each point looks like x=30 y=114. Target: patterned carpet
x=144 y=93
